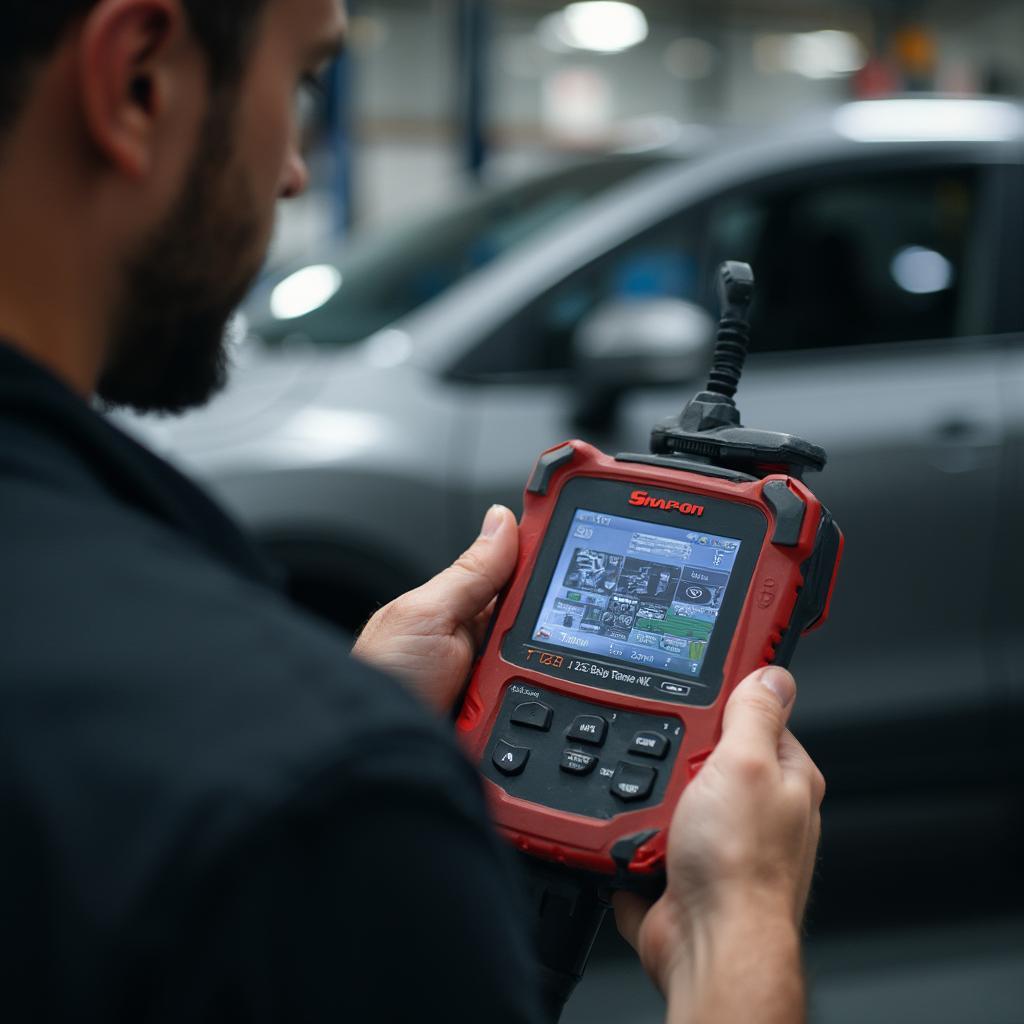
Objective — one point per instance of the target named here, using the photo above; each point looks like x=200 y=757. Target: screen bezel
x=741 y=522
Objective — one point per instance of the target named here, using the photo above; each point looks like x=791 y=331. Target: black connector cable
x=568 y=910
x=708 y=432
x=736 y=292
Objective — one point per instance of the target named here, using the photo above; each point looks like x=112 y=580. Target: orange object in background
x=916 y=50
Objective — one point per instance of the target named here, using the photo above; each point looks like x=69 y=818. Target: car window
x=663 y=262
x=849 y=260
x=381 y=279
x=876 y=258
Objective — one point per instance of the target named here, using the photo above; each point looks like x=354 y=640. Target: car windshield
x=345 y=296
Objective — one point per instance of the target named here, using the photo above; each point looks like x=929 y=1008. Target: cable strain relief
x=730 y=357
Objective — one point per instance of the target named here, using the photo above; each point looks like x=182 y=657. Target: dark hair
x=33 y=29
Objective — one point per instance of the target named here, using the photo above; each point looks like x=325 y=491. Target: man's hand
x=429 y=637
x=723 y=942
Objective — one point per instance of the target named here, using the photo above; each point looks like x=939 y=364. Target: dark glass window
x=880 y=257
x=663 y=262
x=884 y=257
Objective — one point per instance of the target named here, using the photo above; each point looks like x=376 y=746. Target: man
x=211 y=812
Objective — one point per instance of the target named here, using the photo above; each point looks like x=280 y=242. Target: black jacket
x=209 y=812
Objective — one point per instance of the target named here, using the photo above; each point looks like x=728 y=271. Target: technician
x=209 y=810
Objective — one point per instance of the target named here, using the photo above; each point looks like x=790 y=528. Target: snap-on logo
x=642 y=499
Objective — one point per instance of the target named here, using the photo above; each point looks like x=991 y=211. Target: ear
x=128 y=69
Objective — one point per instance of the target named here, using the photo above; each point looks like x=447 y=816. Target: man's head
x=165 y=131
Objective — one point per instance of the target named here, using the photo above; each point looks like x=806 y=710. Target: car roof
x=912 y=120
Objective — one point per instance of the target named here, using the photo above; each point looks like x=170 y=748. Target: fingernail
x=492 y=521
x=780 y=683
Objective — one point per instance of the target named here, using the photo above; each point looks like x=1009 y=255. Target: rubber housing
x=778 y=606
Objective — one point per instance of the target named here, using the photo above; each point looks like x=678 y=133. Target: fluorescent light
x=922 y=271
x=927 y=120
x=826 y=54
x=600 y=26
x=305 y=291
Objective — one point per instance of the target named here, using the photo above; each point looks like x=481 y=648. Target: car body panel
x=387 y=450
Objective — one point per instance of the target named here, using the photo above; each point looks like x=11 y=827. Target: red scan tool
x=647 y=587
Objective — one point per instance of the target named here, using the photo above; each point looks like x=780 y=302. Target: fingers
x=803 y=778
x=798 y=767
x=479 y=626
x=472 y=583
x=630 y=911
x=757 y=712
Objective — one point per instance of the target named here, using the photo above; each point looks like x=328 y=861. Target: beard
x=169 y=350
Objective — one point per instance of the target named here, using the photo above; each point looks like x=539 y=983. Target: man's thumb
x=759 y=708
x=477 y=576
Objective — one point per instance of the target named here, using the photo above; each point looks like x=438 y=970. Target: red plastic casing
x=584 y=842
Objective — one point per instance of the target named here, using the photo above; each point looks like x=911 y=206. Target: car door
x=871 y=337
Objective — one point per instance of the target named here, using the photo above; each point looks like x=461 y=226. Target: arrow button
x=509 y=760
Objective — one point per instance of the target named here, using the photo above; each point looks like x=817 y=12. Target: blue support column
x=474 y=26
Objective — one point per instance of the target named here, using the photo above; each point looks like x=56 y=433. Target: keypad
x=509 y=759
x=650 y=744
x=588 y=729
x=533 y=714
x=633 y=782
x=578 y=756
x=577 y=763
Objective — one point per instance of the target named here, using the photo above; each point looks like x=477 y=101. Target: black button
x=631 y=782
x=676 y=689
x=576 y=762
x=534 y=714
x=588 y=729
x=508 y=759
x=649 y=744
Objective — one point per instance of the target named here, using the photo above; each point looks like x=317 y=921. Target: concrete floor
x=957 y=974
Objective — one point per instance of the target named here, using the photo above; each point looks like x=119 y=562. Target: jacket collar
x=48 y=430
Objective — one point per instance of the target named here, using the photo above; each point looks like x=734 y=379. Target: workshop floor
x=918 y=918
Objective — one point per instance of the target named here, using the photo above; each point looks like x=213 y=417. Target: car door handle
x=962 y=445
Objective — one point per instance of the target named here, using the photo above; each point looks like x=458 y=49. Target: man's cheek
x=272 y=131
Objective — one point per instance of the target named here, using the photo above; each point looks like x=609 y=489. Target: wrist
x=744 y=952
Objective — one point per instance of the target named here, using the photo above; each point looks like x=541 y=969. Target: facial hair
x=168 y=349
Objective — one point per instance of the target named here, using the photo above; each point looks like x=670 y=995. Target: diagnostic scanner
x=647 y=587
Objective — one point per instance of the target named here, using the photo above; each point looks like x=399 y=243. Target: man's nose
x=296 y=177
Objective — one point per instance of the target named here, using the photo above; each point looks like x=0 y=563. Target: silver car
x=395 y=392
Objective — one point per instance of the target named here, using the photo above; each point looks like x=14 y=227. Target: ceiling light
x=305 y=291
x=826 y=54
x=599 y=26
x=926 y=120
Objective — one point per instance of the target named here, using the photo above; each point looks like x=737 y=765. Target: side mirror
x=635 y=343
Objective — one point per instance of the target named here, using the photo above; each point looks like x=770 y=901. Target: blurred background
x=438 y=93
x=515 y=213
